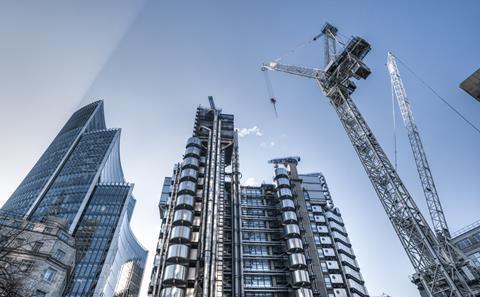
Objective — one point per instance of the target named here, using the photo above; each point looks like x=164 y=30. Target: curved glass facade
x=87 y=118
x=109 y=258
x=79 y=179
x=76 y=178
x=94 y=234
x=123 y=270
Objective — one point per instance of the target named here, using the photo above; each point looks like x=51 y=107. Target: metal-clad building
x=218 y=238
x=79 y=180
x=333 y=266
x=194 y=246
x=263 y=258
x=468 y=241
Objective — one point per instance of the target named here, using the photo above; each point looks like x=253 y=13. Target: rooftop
x=472 y=85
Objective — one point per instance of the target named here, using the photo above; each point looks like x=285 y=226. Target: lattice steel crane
x=437 y=274
x=428 y=185
x=433 y=201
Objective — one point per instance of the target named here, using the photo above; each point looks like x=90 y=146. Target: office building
x=218 y=238
x=79 y=180
x=468 y=241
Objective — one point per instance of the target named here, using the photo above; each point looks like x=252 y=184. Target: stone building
x=36 y=258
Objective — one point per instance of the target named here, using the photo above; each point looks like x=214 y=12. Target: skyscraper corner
x=79 y=181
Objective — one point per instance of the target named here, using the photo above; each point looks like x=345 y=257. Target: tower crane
x=437 y=274
x=429 y=189
x=428 y=185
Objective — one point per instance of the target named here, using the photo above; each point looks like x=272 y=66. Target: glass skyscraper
x=79 y=180
x=218 y=238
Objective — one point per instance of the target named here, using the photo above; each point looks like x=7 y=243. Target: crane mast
x=436 y=275
x=423 y=168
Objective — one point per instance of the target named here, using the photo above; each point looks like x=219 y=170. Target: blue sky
x=154 y=62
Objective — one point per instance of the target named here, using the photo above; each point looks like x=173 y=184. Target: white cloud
x=251 y=181
x=247 y=131
x=267 y=144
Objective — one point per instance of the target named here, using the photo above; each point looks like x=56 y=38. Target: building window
x=20 y=241
x=253 y=201
x=476 y=236
x=253 y=212
x=49 y=274
x=59 y=255
x=278 y=265
x=259 y=294
x=324 y=266
x=320 y=253
x=258 y=281
x=328 y=282
x=37 y=246
x=465 y=243
x=26 y=265
x=254 y=236
x=256 y=250
x=308 y=205
x=48 y=229
x=29 y=226
x=256 y=265
x=254 y=224
x=281 y=281
x=476 y=259
x=63 y=236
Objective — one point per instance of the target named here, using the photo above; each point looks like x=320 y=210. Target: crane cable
x=301 y=45
x=439 y=96
x=268 y=83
